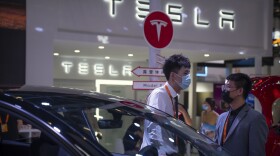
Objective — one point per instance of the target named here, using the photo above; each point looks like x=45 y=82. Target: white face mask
x=204 y=107
x=185 y=82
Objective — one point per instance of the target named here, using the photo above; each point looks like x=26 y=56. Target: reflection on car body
x=64 y=118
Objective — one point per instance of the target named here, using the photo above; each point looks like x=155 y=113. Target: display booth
x=266 y=91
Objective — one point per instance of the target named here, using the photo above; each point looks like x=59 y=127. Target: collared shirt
x=153 y=133
x=160 y=99
x=232 y=116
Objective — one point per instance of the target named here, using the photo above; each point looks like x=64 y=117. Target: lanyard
x=168 y=92
x=225 y=130
x=7 y=119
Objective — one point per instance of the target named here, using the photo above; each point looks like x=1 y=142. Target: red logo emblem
x=158 y=29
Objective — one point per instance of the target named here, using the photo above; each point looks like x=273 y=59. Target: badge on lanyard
x=4 y=128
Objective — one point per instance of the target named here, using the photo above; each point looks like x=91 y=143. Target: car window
x=19 y=137
x=111 y=122
x=122 y=133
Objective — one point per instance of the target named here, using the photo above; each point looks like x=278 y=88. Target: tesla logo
x=159 y=24
x=158 y=29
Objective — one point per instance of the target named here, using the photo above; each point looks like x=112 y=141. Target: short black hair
x=241 y=80
x=174 y=63
x=137 y=120
x=211 y=102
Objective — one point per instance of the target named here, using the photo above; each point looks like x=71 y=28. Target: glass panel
x=19 y=137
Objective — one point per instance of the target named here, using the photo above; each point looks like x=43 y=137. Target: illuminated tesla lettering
x=159 y=24
x=98 y=69
x=83 y=68
x=226 y=17
x=113 y=72
x=175 y=13
x=112 y=5
x=67 y=66
x=127 y=70
x=173 y=10
x=197 y=21
x=142 y=9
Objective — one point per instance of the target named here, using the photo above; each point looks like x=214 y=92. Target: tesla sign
x=83 y=68
x=176 y=13
x=158 y=29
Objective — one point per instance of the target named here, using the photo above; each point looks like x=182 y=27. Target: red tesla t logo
x=158 y=29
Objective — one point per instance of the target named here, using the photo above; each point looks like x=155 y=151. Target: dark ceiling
x=21 y=2
x=276 y=10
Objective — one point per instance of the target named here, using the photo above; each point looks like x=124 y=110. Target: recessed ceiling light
x=56 y=54
x=107 y=57
x=130 y=55
x=206 y=55
x=101 y=47
x=39 y=29
x=77 y=51
x=241 y=53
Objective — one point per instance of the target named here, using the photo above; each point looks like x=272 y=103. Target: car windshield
x=112 y=121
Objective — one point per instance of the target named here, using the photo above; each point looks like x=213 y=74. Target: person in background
x=133 y=137
x=8 y=125
x=208 y=118
x=165 y=98
x=241 y=130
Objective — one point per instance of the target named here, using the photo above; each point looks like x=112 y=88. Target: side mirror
x=109 y=124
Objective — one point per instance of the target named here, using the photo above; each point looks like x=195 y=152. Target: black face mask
x=226 y=98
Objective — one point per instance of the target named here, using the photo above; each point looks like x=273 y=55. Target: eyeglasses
x=227 y=88
x=183 y=75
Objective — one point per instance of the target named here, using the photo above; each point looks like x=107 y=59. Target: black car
x=38 y=121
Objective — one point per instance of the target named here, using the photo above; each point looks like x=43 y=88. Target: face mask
x=185 y=83
x=204 y=107
x=226 y=97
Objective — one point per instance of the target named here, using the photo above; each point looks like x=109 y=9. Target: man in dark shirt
x=241 y=130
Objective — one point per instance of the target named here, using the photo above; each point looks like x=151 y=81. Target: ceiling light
x=39 y=29
x=107 y=57
x=101 y=47
x=77 y=51
x=206 y=55
x=45 y=104
x=56 y=54
x=241 y=53
x=130 y=55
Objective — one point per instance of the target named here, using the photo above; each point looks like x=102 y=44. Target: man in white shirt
x=176 y=70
